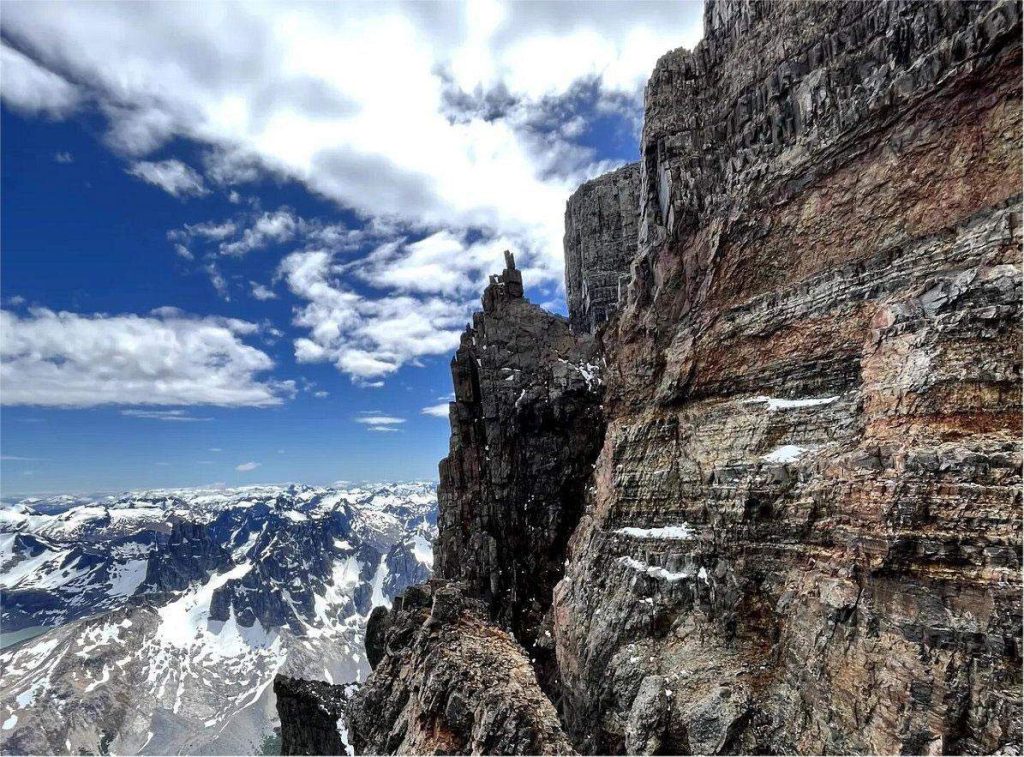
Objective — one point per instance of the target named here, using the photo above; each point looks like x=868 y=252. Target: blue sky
x=239 y=245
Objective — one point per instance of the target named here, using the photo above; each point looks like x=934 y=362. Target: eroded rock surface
x=310 y=714
x=526 y=427
x=600 y=243
x=805 y=530
x=452 y=682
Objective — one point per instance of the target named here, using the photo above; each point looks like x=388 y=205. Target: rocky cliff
x=762 y=493
x=527 y=425
x=804 y=534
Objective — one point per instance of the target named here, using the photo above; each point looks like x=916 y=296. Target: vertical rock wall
x=526 y=427
x=600 y=243
x=805 y=529
x=791 y=467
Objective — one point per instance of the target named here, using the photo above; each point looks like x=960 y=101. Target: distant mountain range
x=154 y=622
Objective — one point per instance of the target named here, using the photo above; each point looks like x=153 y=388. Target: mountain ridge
x=172 y=610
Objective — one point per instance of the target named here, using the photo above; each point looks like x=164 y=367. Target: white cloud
x=63 y=157
x=317 y=93
x=165 y=358
x=277 y=227
x=375 y=421
x=366 y=337
x=261 y=292
x=216 y=449
x=30 y=88
x=438 y=411
x=453 y=130
x=180 y=416
x=172 y=176
x=245 y=467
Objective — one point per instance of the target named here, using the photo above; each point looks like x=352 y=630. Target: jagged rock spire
x=508 y=285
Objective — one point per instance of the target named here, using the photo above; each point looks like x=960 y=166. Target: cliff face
x=804 y=534
x=310 y=713
x=600 y=242
x=526 y=427
x=786 y=518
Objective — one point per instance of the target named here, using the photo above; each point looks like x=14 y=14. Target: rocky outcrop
x=804 y=534
x=600 y=243
x=451 y=682
x=526 y=427
x=310 y=714
x=794 y=496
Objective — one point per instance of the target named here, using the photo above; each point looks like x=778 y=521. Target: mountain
x=166 y=614
x=761 y=492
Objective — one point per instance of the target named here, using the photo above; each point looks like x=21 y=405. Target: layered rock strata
x=805 y=530
x=600 y=243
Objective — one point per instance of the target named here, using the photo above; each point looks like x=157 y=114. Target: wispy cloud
x=375 y=421
x=19 y=457
x=261 y=292
x=172 y=176
x=163 y=415
x=245 y=467
x=63 y=157
x=438 y=411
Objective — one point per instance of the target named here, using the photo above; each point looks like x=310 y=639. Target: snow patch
x=654 y=571
x=422 y=551
x=775 y=403
x=682 y=531
x=343 y=732
x=377 y=597
x=787 y=453
x=125 y=578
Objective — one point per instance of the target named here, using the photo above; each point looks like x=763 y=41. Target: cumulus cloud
x=172 y=176
x=246 y=467
x=362 y=336
x=316 y=93
x=468 y=142
x=261 y=292
x=67 y=359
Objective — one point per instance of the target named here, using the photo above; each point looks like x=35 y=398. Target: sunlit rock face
x=451 y=682
x=804 y=532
